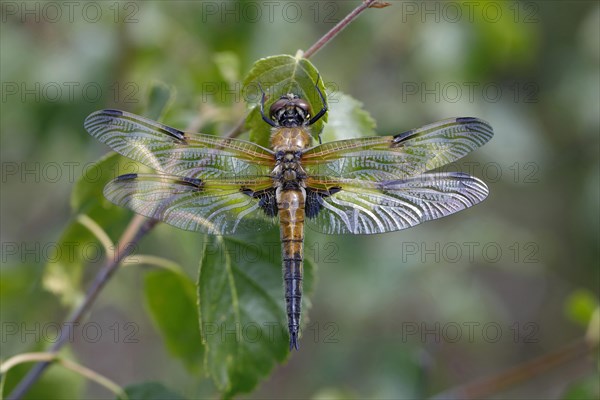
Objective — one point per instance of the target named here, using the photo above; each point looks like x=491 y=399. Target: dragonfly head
x=290 y=111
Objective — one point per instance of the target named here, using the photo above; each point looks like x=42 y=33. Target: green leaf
x=347 y=120
x=171 y=300
x=64 y=269
x=242 y=309
x=279 y=75
x=334 y=393
x=87 y=193
x=580 y=306
x=228 y=64
x=584 y=389
x=77 y=245
x=159 y=97
x=56 y=383
x=151 y=391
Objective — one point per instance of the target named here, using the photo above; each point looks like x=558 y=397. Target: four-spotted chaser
x=224 y=186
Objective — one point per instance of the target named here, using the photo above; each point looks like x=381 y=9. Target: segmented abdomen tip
x=294 y=344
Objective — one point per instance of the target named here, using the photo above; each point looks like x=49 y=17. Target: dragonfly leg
x=323 y=110
x=262 y=108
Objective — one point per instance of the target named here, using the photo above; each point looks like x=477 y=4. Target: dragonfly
x=227 y=186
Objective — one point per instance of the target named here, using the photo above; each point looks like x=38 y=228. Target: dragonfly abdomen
x=291 y=219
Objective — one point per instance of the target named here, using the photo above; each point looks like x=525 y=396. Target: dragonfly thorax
x=284 y=139
x=288 y=173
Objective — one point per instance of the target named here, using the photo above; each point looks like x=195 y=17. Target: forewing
x=172 y=151
x=398 y=157
x=215 y=207
x=364 y=207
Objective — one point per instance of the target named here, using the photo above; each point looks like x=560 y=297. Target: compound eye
x=303 y=104
x=278 y=105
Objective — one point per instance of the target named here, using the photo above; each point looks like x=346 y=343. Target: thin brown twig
x=137 y=228
x=139 y=225
x=342 y=24
x=239 y=127
x=484 y=388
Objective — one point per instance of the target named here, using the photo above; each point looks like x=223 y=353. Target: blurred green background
x=400 y=315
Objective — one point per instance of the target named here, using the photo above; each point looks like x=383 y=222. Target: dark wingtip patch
x=466 y=120
x=112 y=112
x=91 y=119
x=126 y=177
x=479 y=125
x=473 y=120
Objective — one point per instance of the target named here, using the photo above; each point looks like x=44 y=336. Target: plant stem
x=139 y=226
x=342 y=24
x=136 y=229
x=73 y=366
x=487 y=387
x=239 y=127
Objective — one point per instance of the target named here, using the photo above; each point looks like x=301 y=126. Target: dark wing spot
x=334 y=190
x=313 y=203
x=266 y=200
x=314 y=200
x=193 y=182
x=175 y=133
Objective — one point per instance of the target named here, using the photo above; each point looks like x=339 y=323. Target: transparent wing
x=398 y=157
x=365 y=207
x=172 y=151
x=216 y=207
